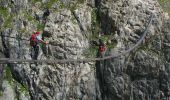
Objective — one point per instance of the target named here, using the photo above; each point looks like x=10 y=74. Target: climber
x=102 y=48
x=35 y=39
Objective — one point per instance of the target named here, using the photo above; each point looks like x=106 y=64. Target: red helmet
x=37 y=32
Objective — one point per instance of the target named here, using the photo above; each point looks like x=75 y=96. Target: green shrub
x=40 y=26
x=3 y=12
x=8 y=22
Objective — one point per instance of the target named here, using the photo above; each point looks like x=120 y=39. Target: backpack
x=33 y=40
x=102 y=48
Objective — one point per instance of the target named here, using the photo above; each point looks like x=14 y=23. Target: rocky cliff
x=72 y=27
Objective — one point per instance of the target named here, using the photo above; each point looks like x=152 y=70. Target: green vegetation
x=8 y=75
x=23 y=88
x=95 y=17
x=49 y=4
x=95 y=25
x=8 y=22
x=3 y=11
x=1 y=93
x=7 y=18
x=29 y=17
x=22 y=31
x=73 y=6
x=91 y=52
x=40 y=26
x=165 y=5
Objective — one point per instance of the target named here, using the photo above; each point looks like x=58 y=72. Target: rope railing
x=10 y=60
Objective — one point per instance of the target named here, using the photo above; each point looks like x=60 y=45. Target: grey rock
x=7 y=90
x=139 y=75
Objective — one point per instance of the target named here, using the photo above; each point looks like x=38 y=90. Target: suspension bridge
x=11 y=60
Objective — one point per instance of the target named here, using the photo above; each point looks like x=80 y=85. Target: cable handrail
x=9 y=60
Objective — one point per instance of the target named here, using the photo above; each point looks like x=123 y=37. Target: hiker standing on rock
x=35 y=39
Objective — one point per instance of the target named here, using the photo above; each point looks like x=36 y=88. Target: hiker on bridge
x=101 y=49
x=35 y=39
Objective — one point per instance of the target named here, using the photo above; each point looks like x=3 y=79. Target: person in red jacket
x=102 y=48
x=35 y=39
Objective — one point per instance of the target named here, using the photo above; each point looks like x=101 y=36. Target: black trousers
x=34 y=52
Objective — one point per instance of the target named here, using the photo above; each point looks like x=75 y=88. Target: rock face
x=70 y=25
x=140 y=75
